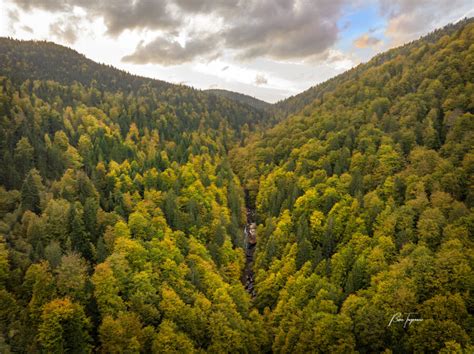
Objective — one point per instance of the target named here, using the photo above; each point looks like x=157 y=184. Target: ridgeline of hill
x=42 y=60
x=251 y=101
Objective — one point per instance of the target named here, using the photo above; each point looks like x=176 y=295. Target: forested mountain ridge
x=121 y=217
x=251 y=101
x=42 y=60
x=296 y=103
x=22 y=61
x=121 y=212
x=365 y=203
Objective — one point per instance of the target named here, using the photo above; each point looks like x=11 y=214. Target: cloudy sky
x=270 y=49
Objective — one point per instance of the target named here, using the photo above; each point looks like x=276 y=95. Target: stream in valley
x=250 y=232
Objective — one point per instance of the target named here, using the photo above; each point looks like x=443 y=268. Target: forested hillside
x=41 y=60
x=251 y=101
x=122 y=205
x=121 y=216
x=364 y=201
x=296 y=103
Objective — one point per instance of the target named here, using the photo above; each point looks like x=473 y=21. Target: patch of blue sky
x=358 y=20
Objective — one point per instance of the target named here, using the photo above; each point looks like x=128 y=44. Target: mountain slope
x=295 y=104
x=365 y=203
x=119 y=211
x=251 y=101
x=37 y=60
x=43 y=61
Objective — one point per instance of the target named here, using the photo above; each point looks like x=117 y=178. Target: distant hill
x=251 y=101
x=46 y=61
x=42 y=60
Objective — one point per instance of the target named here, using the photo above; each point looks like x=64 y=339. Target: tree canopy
x=123 y=203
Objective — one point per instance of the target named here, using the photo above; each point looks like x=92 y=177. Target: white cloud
x=260 y=79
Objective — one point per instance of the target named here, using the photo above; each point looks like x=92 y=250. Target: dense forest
x=251 y=101
x=123 y=202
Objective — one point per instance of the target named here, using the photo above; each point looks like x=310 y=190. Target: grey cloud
x=124 y=14
x=280 y=29
x=260 y=80
x=118 y=15
x=66 y=29
x=284 y=29
x=27 y=29
x=48 y=5
x=207 y=6
x=54 y=5
x=366 y=41
x=170 y=52
x=13 y=18
x=13 y=15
